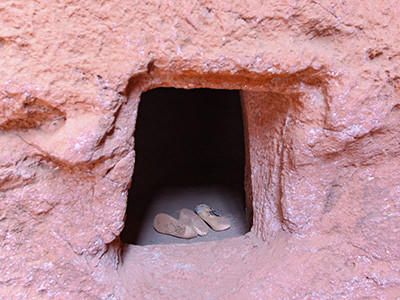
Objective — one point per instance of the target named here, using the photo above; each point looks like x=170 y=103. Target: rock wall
x=321 y=85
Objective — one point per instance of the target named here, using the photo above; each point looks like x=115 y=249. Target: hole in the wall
x=189 y=150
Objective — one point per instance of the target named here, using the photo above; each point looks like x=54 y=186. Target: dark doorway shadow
x=189 y=150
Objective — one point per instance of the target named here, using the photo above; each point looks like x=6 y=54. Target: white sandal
x=166 y=224
x=188 y=217
x=212 y=218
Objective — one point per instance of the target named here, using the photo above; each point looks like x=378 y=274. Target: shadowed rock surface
x=321 y=111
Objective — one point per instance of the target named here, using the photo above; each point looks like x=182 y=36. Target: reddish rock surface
x=321 y=86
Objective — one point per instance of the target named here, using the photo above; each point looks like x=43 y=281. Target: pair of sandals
x=191 y=224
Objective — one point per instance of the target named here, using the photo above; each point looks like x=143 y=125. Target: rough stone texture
x=321 y=101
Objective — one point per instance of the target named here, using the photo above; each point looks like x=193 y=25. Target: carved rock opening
x=190 y=150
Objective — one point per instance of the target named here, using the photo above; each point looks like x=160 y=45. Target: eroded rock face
x=321 y=85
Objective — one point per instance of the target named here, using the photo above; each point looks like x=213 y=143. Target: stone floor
x=226 y=200
x=288 y=266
